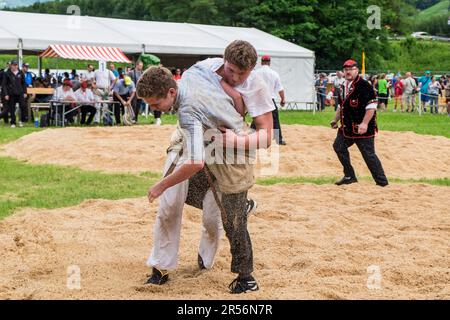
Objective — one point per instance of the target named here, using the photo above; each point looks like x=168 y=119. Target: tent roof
x=8 y=41
x=38 y=31
x=66 y=51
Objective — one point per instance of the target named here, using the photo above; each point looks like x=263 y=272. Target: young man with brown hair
x=203 y=104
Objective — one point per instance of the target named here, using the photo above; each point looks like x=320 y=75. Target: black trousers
x=119 y=109
x=84 y=111
x=237 y=233
x=276 y=124
x=136 y=108
x=367 y=148
x=337 y=93
x=157 y=114
x=5 y=107
x=10 y=108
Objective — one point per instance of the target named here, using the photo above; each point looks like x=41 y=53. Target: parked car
x=421 y=35
x=331 y=77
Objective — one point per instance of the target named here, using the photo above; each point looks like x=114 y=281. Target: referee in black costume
x=357 y=114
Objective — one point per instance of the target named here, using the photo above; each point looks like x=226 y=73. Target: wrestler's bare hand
x=155 y=191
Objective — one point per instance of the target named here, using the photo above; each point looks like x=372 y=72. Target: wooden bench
x=35 y=107
x=40 y=90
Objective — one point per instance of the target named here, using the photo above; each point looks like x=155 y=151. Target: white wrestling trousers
x=166 y=232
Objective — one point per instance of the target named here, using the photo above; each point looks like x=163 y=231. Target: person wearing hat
x=65 y=93
x=424 y=83
x=124 y=92
x=15 y=91
x=28 y=75
x=273 y=82
x=357 y=114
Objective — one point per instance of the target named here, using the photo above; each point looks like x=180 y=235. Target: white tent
x=35 y=32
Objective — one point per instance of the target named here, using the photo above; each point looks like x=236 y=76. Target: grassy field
x=390 y=121
x=45 y=186
x=416 y=56
x=436 y=10
x=54 y=63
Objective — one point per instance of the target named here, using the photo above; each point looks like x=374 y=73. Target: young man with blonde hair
x=202 y=104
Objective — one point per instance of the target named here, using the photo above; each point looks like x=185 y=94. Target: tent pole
x=20 y=53
x=39 y=66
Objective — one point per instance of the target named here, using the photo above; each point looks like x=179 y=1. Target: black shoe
x=384 y=184
x=346 y=180
x=201 y=265
x=251 y=206
x=243 y=285
x=158 y=277
x=282 y=143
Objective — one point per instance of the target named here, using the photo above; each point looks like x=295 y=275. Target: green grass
x=414 y=55
x=7 y=134
x=438 y=125
x=54 y=63
x=435 y=10
x=47 y=186
x=330 y=180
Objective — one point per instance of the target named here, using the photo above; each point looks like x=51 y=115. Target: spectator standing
x=338 y=82
x=90 y=74
x=273 y=82
x=135 y=75
x=409 y=86
x=433 y=90
x=383 y=88
x=112 y=68
x=15 y=91
x=398 y=93
x=424 y=83
x=321 y=89
x=2 y=94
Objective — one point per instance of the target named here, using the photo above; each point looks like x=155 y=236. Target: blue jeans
x=434 y=102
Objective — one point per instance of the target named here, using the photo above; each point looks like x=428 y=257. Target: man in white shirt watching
x=84 y=95
x=272 y=79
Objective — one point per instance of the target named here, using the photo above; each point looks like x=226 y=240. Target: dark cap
x=26 y=65
x=13 y=62
x=350 y=63
x=265 y=58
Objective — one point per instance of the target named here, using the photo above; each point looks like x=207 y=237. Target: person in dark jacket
x=15 y=91
x=2 y=96
x=357 y=114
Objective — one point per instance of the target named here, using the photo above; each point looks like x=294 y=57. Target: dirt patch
x=310 y=242
x=309 y=152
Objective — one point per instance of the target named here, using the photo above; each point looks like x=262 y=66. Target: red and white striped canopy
x=85 y=53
